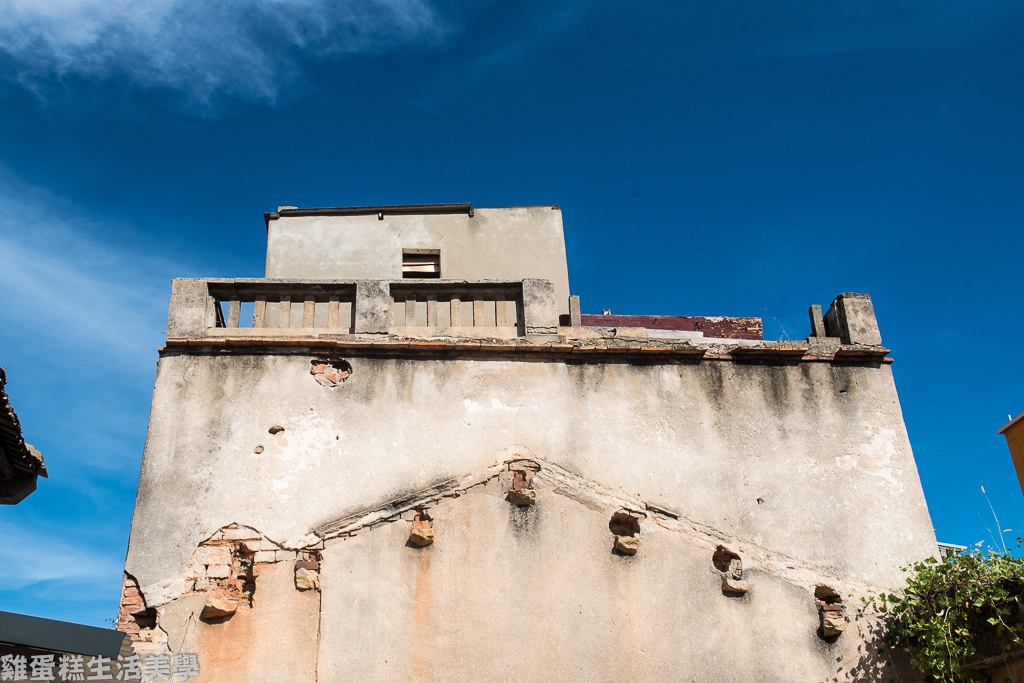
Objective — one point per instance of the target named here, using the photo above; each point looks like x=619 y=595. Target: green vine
x=956 y=612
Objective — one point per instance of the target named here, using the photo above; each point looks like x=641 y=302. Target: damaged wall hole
x=730 y=566
x=277 y=431
x=422 y=533
x=134 y=616
x=723 y=559
x=224 y=568
x=625 y=526
x=830 y=612
x=827 y=595
x=521 y=493
x=330 y=373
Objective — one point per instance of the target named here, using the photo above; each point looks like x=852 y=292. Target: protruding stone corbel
x=830 y=611
x=833 y=619
x=217 y=607
x=307 y=574
x=731 y=567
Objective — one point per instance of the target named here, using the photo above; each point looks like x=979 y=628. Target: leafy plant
x=957 y=611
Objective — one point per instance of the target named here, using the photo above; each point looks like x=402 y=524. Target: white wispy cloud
x=30 y=556
x=60 y=283
x=82 y=317
x=246 y=48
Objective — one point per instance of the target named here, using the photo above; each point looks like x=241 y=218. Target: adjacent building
x=1014 y=433
x=405 y=454
x=21 y=464
x=32 y=648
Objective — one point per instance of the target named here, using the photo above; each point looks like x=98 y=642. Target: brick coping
x=770 y=352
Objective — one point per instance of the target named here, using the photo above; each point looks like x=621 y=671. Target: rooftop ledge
x=561 y=346
x=491 y=317
x=380 y=211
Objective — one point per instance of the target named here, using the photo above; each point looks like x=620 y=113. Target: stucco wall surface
x=493 y=244
x=809 y=461
x=535 y=594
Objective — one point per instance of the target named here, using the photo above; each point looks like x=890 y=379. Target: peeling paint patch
x=309 y=438
x=498 y=405
x=874 y=456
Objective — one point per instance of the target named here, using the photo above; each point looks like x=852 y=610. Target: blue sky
x=727 y=158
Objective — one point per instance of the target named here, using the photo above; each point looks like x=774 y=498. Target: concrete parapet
x=189 y=309
x=540 y=310
x=574 y=312
x=851 y=317
x=372 y=307
x=817 y=321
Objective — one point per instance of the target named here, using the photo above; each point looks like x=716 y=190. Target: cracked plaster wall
x=804 y=469
x=534 y=594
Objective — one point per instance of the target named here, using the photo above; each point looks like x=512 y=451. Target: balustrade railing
x=269 y=308
x=451 y=308
x=265 y=306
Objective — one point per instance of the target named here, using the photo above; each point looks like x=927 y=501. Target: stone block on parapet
x=372 y=307
x=851 y=317
x=817 y=321
x=814 y=342
x=574 y=312
x=540 y=309
x=631 y=333
x=190 y=302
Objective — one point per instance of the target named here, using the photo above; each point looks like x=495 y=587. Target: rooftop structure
x=21 y=464
x=407 y=453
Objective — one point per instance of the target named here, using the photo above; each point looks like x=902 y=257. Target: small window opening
x=420 y=263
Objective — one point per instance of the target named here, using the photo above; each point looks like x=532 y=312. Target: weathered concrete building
x=406 y=455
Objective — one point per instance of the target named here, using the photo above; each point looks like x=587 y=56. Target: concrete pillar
x=851 y=317
x=540 y=310
x=574 y=311
x=500 y=311
x=259 y=311
x=308 y=311
x=431 y=310
x=284 y=318
x=190 y=310
x=410 y=310
x=234 y=311
x=334 y=312
x=456 y=311
x=478 y=311
x=817 y=322
x=372 y=307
